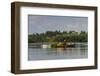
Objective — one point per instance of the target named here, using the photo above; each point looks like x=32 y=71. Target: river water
x=78 y=52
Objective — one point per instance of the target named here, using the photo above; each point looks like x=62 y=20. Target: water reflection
x=57 y=53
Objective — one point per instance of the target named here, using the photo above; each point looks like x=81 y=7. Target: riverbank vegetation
x=58 y=36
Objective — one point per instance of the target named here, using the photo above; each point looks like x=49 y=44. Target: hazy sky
x=40 y=23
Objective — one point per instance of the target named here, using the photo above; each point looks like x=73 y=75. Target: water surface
x=78 y=52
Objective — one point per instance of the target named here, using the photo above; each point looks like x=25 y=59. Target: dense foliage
x=57 y=36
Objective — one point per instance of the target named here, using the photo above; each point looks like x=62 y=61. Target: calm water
x=79 y=51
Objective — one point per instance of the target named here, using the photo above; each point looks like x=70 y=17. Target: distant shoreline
x=56 y=45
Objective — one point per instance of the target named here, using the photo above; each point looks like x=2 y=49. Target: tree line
x=58 y=36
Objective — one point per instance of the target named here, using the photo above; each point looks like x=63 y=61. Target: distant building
x=46 y=45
